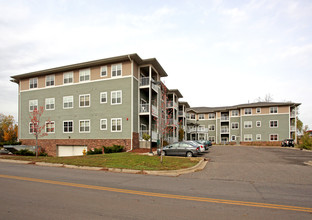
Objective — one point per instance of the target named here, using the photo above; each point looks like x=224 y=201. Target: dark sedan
x=180 y=149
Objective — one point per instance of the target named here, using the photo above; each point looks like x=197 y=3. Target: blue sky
x=216 y=53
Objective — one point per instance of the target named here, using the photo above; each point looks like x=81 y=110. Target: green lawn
x=117 y=160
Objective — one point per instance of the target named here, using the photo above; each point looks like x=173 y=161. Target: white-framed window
x=103 y=124
x=84 y=75
x=201 y=128
x=84 y=100
x=211 y=116
x=49 y=103
x=103 y=97
x=258 y=124
x=68 y=78
x=117 y=70
x=116 y=124
x=188 y=115
x=273 y=137
x=235 y=113
x=33 y=83
x=258 y=137
x=116 y=97
x=68 y=126
x=247 y=137
x=192 y=116
x=273 y=110
x=32 y=128
x=247 y=124
x=211 y=127
x=201 y=116
x=274 y=124
x=50 y=127
x=50 y=80
x=68 y=102
x=234 y=125
x=84 y=126
x=211 y=139
x=103 y=71
x=258 y=110
x=247 y=111
x=33 y=104
x=233 y=138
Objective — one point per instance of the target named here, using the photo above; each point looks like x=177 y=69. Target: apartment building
x=92 y=104
x=250 y=123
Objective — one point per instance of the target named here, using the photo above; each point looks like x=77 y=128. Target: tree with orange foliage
x=8 y=128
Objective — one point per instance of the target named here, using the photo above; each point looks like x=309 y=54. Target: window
x=33 y=83
x=103 y=124
x=201 y=128
x=50 y=80
x=273 y=110
x=201 y=116
x=104 y=71
x=116 y=97
x=192 y=116
x=233 y=138
x=234 y=125
x=116 y=125
x=247 y=111
x=273 y=124
x=258 y=124
x=49 y=103
x=33 y=104
x=32 y=128
x=103 y=97
x=211 y=127
x=68 y=126
x=258 y=110
x=211 y=115
x=84 y=126
x=84 y=100
x=68 y=78
x=68 y=102
x=273 y=137
x=247 y=137
x=116 y=70
x=258 y=137
x=188 y=115
x=211 y=139
x=235 y=112
x=248 y=124
x=50 y=127
x=84 y=75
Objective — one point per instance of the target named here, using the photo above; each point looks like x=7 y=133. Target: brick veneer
x=50 y=145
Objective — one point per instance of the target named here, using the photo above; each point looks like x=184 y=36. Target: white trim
x=214 y=118
x=245 y=124
x=257 y=110
x=266 y=114
x=112 y=65
x=201 y=118
x=45 y=104
x=235 y=110
x=78 y=83
x=234 y=123
x=103 y=119
x=29 y=83
x=45 y=129
x=250 y=135
x=101 y=97
x=102 y=71
x=84 y=101
x=113 y=119
x=273 y=112
x=258 y=135
x=257 y=124
x=85 y=120
x=29 y=128
x=72 y=73
x=117 y=91
x=32 y=105
x=246 y=109
x=273 y=134
x=84 y=71
x=273 y=126
x=53 y=80
x=68 y=132
x=72 y=102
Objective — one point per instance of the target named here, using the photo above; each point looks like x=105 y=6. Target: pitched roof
x=175 y=91
x=135 y=57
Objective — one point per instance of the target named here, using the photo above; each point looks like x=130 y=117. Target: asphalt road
x=237 y=183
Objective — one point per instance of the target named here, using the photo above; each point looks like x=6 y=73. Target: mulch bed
x=142 y=150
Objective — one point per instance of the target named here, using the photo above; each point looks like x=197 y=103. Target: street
x=237 y=183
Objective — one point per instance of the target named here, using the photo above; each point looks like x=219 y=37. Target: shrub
x=306 y=142
x=43 y=153
x=25 y=152
x=113 y=149
x=94 y=151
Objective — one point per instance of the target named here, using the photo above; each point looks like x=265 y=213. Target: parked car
x=180 y=149
x=4 y=151
x=206 y=144
x=288 y=143
x=201 y=146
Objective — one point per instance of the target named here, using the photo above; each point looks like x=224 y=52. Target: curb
x=199 y=166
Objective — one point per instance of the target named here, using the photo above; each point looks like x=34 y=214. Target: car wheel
x=163 y=153
x=189 y=154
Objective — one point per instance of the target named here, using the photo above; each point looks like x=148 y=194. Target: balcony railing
x=224 y=118
x=144 y=108
x=171 y=104
x=172 y=139
x=198 y=130
x=181 y=113
x=144 y=81
x=153 y=136
x=172 y=121
x=292 y=128
x=225 y=130
x=293 y=114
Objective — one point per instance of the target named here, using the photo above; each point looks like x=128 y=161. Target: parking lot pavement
x=257 y=164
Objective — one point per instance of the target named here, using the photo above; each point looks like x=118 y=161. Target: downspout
x=131 y=129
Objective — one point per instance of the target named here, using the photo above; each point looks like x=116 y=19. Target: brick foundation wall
x=135 y=140
x=50 y=145
x=262 y=143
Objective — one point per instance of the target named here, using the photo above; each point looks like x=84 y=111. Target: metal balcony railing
x=144 y=81
x=225 y=118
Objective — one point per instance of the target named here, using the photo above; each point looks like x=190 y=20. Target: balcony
x=144 y=108
x=225 y=130
x=181 y=114
x=171 y=104
x=172 y=121
x=153 y=136
x=225 y=118
x=198 y=130
x=145 y=82
x=292 y=114
x=292 y=128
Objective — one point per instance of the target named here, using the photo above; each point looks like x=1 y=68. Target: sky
x=217 y=53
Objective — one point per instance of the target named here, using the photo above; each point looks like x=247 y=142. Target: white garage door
x=67 y=151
